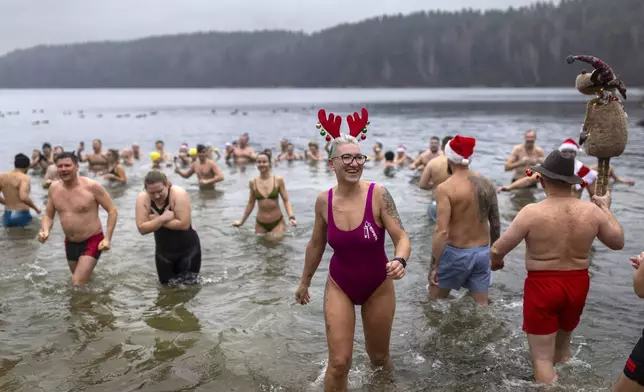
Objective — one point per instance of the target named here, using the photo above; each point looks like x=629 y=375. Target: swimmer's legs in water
x=275 y=235
x=82 y=269
x=543 y=353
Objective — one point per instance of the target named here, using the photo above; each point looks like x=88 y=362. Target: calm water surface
x=241 y=329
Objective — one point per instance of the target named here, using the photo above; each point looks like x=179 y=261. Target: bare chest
x=203 y=169
x=77 y=201
x=349 y=214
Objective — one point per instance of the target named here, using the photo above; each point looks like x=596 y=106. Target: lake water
x=241 y=329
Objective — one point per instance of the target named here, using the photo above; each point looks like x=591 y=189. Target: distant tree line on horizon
x=521 y=47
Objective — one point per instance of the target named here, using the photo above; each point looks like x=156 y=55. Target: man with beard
x=243 y=153
x=97 y=161
x=76 y=199
x=208 y=172
x=424 y=158
x=525 y=155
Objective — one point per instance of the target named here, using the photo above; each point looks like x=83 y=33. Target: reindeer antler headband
x=330 y=126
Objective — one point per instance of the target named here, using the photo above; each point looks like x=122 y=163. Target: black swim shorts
x=634 y=369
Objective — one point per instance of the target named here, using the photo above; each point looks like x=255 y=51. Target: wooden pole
x=603 y=176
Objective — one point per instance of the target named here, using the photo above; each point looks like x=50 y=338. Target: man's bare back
x=10 y=184
x=472 y=200
x=435 y=173
x=77 y=208
x=560 y=233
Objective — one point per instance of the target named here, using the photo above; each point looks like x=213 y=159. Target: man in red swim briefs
x=559 y=233
x=76 y=199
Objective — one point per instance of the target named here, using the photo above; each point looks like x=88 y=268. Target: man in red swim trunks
x=76 y=199
x=559 y=233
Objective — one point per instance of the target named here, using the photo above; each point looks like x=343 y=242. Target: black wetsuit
x=178 y=252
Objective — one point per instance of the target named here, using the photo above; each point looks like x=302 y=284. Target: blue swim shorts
x=16 y=218
x=468 y=268
x=431 y=211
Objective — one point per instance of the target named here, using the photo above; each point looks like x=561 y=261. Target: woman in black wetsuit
x=164 y=209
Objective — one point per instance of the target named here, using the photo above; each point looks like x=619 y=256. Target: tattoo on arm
x=488 y=204
x=392 y=211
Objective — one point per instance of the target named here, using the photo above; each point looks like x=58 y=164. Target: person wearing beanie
x=524 y=155
x=569 y=148
x=15 y=187
x=467 y=222
x=434 y=174
x=556 y=258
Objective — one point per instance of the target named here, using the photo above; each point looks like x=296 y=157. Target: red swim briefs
x=554 y=300
x=89 y=247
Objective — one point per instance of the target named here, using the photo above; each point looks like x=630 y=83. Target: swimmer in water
x=290 y=155
x=136 y=152
x=208 y=172
x=242 y=152
x=183 y=160
x=378 y=155
x=266 y=190
x=97 y=161
x=76 y=199
x=426 y=156
x=115 y=171
x=165 y=157
x=313 y=154
x=15 y=187
x=127 y=156
x=390 y=164
x=164 y=209
x=51 y=174
x=41 y=160
x=402 y=159
x=352 y=218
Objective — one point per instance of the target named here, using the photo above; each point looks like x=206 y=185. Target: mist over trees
x=517 y=47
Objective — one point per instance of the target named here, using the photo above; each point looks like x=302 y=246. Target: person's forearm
x=112 y=217
x=249 y=209
x=638 y=282
x=288 y=208
x=439 y=240
x=312 y=258
x=1 y=200
x=27 y=200
x=47 y=223
x=182 y=174
x=496 y=255
x=176 y=224
x=151 y=226
x=402 y=247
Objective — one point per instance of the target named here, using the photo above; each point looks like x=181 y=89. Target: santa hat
x=568 y=145
x=587 y=174
x=460 y=149
x=401 y=148
x=184 y=146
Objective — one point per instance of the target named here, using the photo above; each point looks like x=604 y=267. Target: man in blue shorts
x=15 y=186
x=467 y=222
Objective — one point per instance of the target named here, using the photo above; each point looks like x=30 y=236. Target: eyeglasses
x=348 y=159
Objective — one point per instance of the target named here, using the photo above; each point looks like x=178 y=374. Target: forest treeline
x=517 y=47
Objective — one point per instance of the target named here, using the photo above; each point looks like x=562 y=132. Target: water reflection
x=90 y=312
x=169 y=312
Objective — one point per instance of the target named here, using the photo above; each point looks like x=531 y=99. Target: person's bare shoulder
x=178 y=191
x=539 y=150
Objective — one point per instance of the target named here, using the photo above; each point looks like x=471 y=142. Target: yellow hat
x=155 y=156
x=193 y=152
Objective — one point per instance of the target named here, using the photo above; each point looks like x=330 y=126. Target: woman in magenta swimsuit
x=353 y=217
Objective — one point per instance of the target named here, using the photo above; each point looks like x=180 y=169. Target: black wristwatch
x=401 y=260
x=291 y=218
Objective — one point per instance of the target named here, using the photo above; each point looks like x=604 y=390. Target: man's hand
x=602 y=201
x=42 y=236
x=104 y=245
x=433 y=277
x=496 y=266
x=502 y=189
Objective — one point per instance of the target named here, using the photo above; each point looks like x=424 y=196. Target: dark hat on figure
x=557 y=166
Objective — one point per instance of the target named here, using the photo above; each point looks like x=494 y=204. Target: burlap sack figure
x=605 y=130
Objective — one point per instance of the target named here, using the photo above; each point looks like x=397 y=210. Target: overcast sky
x=25 y=23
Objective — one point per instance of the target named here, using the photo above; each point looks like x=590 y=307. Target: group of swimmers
x=353 y=218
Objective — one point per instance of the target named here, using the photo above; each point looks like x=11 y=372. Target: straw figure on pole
x=605 y=130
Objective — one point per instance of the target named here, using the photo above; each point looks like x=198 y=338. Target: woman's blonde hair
x=343 y=139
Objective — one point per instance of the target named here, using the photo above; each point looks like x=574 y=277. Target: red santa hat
x=401 y=148
x=587 y=174
x=569 y=145
x=460 y=149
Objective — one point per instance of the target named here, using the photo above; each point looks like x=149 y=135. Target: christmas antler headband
x=330 y=126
